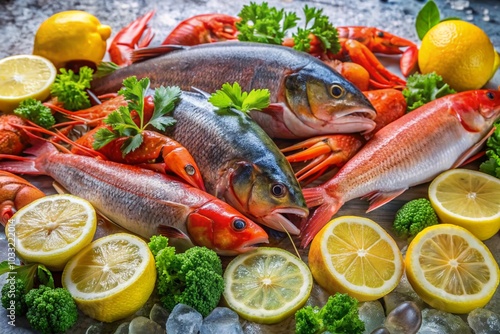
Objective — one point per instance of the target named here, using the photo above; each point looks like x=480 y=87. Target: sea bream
x=239 y=162
x=145 y=202
x=413 y=149
x=308 y=98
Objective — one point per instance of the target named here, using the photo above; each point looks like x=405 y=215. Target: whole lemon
x=72 y=36
x=460 y=52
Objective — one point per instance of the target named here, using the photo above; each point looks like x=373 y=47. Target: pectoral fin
x=472 y=153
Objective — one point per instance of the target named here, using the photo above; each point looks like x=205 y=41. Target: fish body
x=307 y=96
x=148 y=203
x=239 y=162
x=412 y=150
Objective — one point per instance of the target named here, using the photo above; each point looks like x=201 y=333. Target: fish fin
x=171 y=232
x=27 y=164
x=142 y=54
x=472 y=153
x=319 y=218
x=378 y=199
x=200 y=91
x=314 y=196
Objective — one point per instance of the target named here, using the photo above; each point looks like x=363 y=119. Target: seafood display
x=235 y=134
x=307 y=97
x=145 y=202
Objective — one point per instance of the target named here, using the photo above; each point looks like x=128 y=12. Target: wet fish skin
x=300 y=85
x=239 y=162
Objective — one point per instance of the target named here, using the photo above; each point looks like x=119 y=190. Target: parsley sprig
x=264 y=24
x=71 y=88
x=122 y=122
x=231 y=96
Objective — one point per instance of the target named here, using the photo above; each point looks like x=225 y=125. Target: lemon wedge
x=267 y=285
x=53 y=229
x=355 y=255
x=112 y=278
x=451 y=269
x=467 y=198
x=22 y=77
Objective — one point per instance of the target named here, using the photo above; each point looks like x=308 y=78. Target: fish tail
x=27 y=164
x=327 y=207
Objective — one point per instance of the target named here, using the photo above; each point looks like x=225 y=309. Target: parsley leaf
x=232 y=97
x=321 y=28
x=122 y=122
x=70 y=88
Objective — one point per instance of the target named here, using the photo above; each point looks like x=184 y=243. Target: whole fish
x=415 y=148
x=145 y=202
x=308 y=98
x=239 y=163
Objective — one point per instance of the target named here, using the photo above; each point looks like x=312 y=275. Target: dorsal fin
x=142 y=54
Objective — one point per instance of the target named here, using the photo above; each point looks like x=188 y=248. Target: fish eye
x=490 y=95
x=380 y=34
x=189 y=170
x=278 y=190
x=336 y=91
x=239 y=224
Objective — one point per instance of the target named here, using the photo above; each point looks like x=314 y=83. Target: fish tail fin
x=27 y=164
x=328 y=206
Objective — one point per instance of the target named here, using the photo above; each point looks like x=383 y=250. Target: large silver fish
x=308 y=98
x=239 y=162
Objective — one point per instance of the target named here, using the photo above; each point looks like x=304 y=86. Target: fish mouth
x=252 y=244
x=355 y=120
x=282 y=219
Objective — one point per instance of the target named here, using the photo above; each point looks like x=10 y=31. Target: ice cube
x=439 y=322
x=406 y=318
x=159 y=315
x=221 y=320
x=484 y=321
x=372 y=314
x=142 y=325
x=184 y=320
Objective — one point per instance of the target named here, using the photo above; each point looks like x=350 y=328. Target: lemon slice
x=467 y=198
x=267 y=285
x=53 y=229
x=22 y=77
x=112 y=277
x=355 y=255
x=450 y=269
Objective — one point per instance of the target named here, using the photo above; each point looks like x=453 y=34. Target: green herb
x=428 y=17
x=122 y=122
x=413 y=217
x=232 y=97
x=70 y=88
x=264 y=24
x=105 y=68
x=492 y=165
x=34 y=111
x=423 y=88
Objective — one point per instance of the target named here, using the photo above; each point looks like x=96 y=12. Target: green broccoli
x=339 y=315
x=20 y=281
x=193 y=278
x=413 y=217
x=492 y=165
x=51 y=310
x=33 y=110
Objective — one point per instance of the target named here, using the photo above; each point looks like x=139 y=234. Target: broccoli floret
x=13 y=293
x=51 y=310
x=413 y=217
x=33 y=110
x=339 y=315
x=193 y=278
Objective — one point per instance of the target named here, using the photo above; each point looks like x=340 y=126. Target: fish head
x=320 y=98
x=269 y=197
x=477 y=110
x=218 y=226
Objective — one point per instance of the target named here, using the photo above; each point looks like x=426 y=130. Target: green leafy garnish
x=264 y=24
x=423 y=88
x=428 y=17
x=232 y=97
x=122 y=122
x=70 y=88
x=105 y=68
x=492 y=165
x=34 y=111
